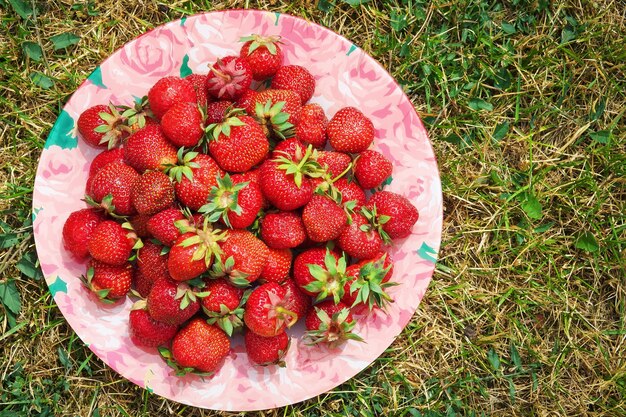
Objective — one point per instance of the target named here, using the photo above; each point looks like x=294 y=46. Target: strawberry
x=100 y=126
x=229 y=78
x=198 y=347
x=286 y=191
x=242 y=259
x=108 y=282
x=137 y=116
x=367 y=282
x=263 y=54
x=291 y=148
x=115 y=179
x=282 y=230
x=111 y=243
x=152 y=192
x=216 y=112
x=394 y=213
x=371 y=169
x=297 y=301
x=265 y=313
x=360 y=239
x=194 y=177
x=172 y=302
x=199 y=85
x=277 y=266
x=139 y=223
x=162 y=226
x=78 y=229
x=247 y=101
x=148 y=148
x=350 y=191
x=105 y=158
x=183 y=124
x=142 y=283
x=311 y=127
x=223 y=305
x=146 y=331
x=278 y=111
x=237 y=144
x=151 y=266
x=234 y=200
x=387 y=264
x=295 y=78
x=168 y=91
x=331 y=324
x=320 y=272
x=192 y=253
x=266 y=351
x=323 y=219
x=336 y=164
x=350 y=131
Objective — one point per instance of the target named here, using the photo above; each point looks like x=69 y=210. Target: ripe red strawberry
x=266 y=351
x=183 y=124
x=371 y=169
x=282 y=230
x=162 y=226
x=77 y=231
x=323 y=219
x=350 y=191
x=222 y=305
x=151 y=266
x=108 y=282
x=237 y=144
x=194 y=177
x=105 y=158
x=148 y=148
x=139 y=223
x=243 y=258
x=192 y=253
x=111 y=243
x=142 y=283
x=229 y=78
x=297 y=301
x=295 y=78
x=335 y=163
x=350 y=131
x=168 y=91
x=216 y=112
x=291 y=148
x=277 y=266
x=366 y=284
x=360 y=239
x=265 y=313
x=278 y=111
x=172 y=302
x=146 y=331
x=394 y=213
x=198 y=347
x=282 y=189
x=235 y=201
x=331 y=324
x=263 y=54
x=100 y=126
x=311 y=127
x=199 y=85
x=152 y=192
x=115 y=179
x=247 y=101
x=320 y=272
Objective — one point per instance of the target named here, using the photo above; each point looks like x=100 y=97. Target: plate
x=345 y=76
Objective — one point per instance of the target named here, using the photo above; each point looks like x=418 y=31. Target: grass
x=524 y=102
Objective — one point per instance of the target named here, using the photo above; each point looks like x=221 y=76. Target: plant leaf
x=41 y=80
x=32 y=50
x=10 y=296
x=64 y=40
x=532 y=207
x=587 y=242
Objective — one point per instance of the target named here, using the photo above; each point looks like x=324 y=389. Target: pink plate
x=345 y=76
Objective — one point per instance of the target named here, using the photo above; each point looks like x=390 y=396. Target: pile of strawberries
x=220 y=207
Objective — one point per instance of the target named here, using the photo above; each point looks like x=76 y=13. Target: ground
x=524 y=102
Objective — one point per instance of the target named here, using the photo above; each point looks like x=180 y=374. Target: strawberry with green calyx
x=297 y=301
x=112 y=243
x=395 y=215
x=168 y=91
x=366 y=285
x=137 y=116
x=336 y=164
x=295 y=78
x=278 y=111
x=172 y=302
x=115 y=180
x=217 y=111
x=263 y=53
x=152 y=192
x=101 y=126
x=277 y=266
x=241 y=259
x=148 y=148
x=146 y=331
x=350 y=191
x=235 y=201
x=77 y=231
x=267 y=351
x=266 y=313
x=199 y=348
x=162 y=225
x=193 y=252
x=183 y=124
x=377 y=221
x=237 y=144
x=108 y=282
x=371 y=169
x=228 y=78
x=360 y=239
x=194 y=177
x=224 y=305
x=331 y=324
x=282 y=230
x=320 y=273
x=350 y=131
x=324 y=219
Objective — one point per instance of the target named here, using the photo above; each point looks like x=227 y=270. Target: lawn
x=524 y=102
